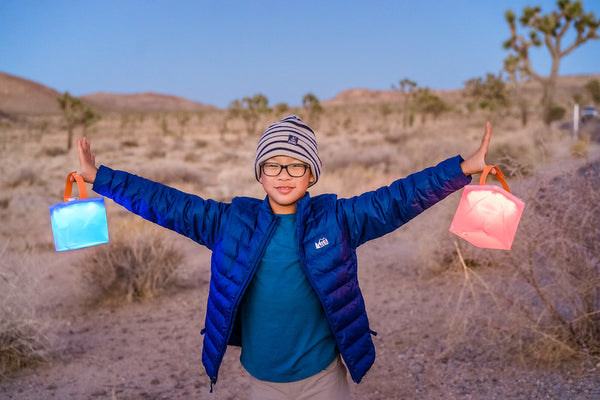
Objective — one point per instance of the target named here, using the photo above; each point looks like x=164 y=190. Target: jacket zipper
x=274 y=223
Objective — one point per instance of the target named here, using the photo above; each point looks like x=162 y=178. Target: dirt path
x=152 y=350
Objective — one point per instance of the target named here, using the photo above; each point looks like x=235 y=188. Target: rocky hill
x=19 y=96
x=141 y=102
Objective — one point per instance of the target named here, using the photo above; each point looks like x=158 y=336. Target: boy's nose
x=284 y=174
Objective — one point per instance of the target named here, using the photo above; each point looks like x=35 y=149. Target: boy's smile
x=284 y=190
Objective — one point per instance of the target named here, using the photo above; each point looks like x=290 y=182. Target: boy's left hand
x=475 y=163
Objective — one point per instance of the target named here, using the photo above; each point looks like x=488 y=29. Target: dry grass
x=23 y=342
x=580 y=148
x=25 y=176
x=137 y=264
x=541 y=300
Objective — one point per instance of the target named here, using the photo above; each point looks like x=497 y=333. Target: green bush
x=555 y=113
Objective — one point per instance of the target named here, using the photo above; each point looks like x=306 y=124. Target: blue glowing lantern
x=78 y=223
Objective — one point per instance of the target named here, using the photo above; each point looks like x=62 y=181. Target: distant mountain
x=369 y=96
x=567 y=87
x=19 y=96
x=141 y=102
x=363 y=96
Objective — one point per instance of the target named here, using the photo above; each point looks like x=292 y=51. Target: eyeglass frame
x=282 y=167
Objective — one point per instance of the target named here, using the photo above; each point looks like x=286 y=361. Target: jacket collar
x=302 y=205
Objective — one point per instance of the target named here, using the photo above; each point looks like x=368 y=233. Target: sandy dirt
x=152 y=350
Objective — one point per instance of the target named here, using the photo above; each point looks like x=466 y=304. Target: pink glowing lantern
x=487 y=215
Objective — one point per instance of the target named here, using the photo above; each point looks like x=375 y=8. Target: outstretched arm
x=87 y=160
x=475 y=163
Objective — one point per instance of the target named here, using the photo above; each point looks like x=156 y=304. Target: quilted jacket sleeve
x=373 y=214
x=187 y=214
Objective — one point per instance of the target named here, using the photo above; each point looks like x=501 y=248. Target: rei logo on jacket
x=321 y=243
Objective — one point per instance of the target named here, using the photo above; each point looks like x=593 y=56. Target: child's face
x=284 y=190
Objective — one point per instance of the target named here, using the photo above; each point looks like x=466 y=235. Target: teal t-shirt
x=285 y=334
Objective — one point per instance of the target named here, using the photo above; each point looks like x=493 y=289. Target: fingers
x=485 y=142
x=87 y=160
x=86 y=155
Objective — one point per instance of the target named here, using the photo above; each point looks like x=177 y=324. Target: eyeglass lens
x=293 y=170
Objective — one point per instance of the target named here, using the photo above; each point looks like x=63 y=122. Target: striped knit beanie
x=289 y=137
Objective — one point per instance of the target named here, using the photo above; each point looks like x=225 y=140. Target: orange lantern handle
x=80 y=185
x=499 y=175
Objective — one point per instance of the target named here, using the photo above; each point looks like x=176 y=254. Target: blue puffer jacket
x=329 y=231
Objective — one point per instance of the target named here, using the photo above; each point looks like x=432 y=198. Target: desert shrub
x=156 y=153
x=385 y=109
x=593 y=88
x=23 y=342
x=156 y=149
x=24 y=176
x=281 y=108
x=347 y=123
x=132 y=267
x=547 y=301
x=53 y=151
x=191 y=157
x=580 y=149
x=514 y=167
x=514 y=159
x=555 y=113
x=174 y=174
x=380 y=155
x=200 y=143
x=129 y=143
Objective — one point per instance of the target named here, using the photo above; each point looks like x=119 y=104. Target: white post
x=575 y=121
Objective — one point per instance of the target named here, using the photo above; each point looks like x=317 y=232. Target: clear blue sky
x=217 y=51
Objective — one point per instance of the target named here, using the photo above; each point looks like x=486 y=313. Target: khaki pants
x=329 y=384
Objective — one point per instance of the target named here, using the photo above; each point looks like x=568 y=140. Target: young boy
x=284 y=270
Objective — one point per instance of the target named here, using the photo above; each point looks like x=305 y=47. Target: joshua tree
x=183 y=117
x=549 y=29
x=516 y=78
x=280 y=108
x=75 y=113
x=250 y=109
x=407 y=87
x=428 y=102
x=489 y=94
x=313 y=107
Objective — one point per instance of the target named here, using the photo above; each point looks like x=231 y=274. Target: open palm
x=475 y=163
x=87 y=160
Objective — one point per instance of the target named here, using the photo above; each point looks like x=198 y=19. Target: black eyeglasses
x=296 y=170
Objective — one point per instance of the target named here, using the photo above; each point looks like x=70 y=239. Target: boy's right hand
x=87 y=160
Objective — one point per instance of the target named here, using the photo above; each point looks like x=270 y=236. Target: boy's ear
x=311 y=179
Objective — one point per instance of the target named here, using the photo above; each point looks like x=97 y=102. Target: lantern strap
x=80 y=185
x=499 y=175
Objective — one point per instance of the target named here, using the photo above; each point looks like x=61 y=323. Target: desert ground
x=453 y=321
